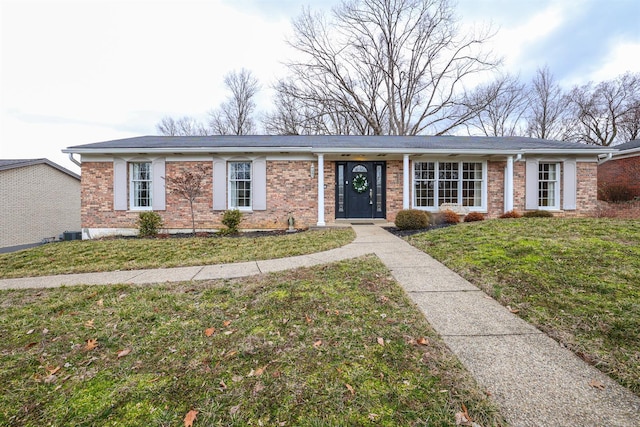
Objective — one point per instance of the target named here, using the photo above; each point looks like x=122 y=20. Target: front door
x=360 y=191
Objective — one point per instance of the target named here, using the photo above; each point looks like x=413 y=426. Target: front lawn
x=326 y=346
x=129 y=254
x=578 y=280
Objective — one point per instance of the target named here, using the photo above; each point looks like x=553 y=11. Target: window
x=465 y=189
x=240 y=185
x=548 y=185
x=140 y=186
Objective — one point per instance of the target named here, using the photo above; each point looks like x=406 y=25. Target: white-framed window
x=460 y=182
x=548 y=185
x=240 y=185
x=140 y=186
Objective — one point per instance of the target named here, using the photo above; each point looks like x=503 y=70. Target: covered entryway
x=360 y=190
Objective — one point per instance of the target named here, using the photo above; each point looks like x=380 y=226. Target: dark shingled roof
x=318 y=143
x=7 y=164
x=635 y=143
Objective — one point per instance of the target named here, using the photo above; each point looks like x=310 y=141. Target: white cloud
x=624 y=56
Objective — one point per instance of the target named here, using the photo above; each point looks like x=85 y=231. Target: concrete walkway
x=534 y=380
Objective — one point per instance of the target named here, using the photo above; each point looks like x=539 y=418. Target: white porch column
x=321 y=222
x=405 y=182
x=508 y=185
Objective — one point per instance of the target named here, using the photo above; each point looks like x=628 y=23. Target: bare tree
x=186 y=126
x=386 y=67
x=600 y=111
x=547 y=107
x=189 y=186
x=506 y=102
x=234 y=116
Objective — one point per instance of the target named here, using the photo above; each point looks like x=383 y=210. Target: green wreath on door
x=360 y=183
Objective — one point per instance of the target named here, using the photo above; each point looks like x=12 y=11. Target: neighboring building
x=622 y=168
x=322 y=180
x=39 y=200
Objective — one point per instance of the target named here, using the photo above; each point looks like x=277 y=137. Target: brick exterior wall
x=292 y=189
x=621 y=172
x=37 y=202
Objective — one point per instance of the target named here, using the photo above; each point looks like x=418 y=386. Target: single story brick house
x=622 y=167
x=39 y=200
x=323 y=180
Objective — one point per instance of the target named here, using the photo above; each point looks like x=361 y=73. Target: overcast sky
x=77 y=72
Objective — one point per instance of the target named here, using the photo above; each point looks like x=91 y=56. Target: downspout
x=74 y=161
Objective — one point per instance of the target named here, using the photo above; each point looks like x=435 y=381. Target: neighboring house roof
x=336 y=144
x=7 y=164
x=635 y=143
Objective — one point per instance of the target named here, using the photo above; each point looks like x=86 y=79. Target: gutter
x=73 y=160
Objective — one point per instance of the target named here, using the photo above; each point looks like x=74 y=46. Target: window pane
x=340 y=188
x=141 y=185
x=547 y=185
x=424 y=177
x=447 y=182
x=240 y=184
x=472 y=184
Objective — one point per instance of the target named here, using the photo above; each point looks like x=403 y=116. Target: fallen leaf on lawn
x=307 y=318
x=209 y=331
x=52 y=370
x=381 y=341
x=45 y=331
x=258 y=387
x=223 y=386
x=31 y=344
x=597 y=384
x=422 y=341
x=230 y=354
x=260 y=371
x=226 y=323
x=190 y=418
x=317 y=343
x=513 y=310
x=461 y=419
x=50 y=379
x=373 y=417
x=30 y=331
x=123 y=353
x=234 y=410
x=236 y=378
x=100 y=303
x=351 y=390
x=91 y=344
x=228 y=332
x=89 y=324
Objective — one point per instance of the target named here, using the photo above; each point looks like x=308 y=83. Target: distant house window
x=140 y=185
x=240 y=195
x=461 y=183
x=548 y=186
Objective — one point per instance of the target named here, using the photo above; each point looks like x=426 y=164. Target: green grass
x=298 y=348
x=578 y=280
x=129 y=254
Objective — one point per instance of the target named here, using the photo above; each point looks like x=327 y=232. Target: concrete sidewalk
x=534 y=380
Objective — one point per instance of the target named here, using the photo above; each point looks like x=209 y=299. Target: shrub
x=537 y=214
x=232 y=219
x=450 y=217
x=511 y=214
x=474 y=216
x=412 y=219
x=615 y=193
x=148 y=224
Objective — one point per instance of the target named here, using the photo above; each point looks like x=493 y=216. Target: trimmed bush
x=474 y=216
x=511 y=214
x=232 y=219
x=537 y=214
x=412 y=219
x=148 y=224
x=450 y=217
x=615 y=193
